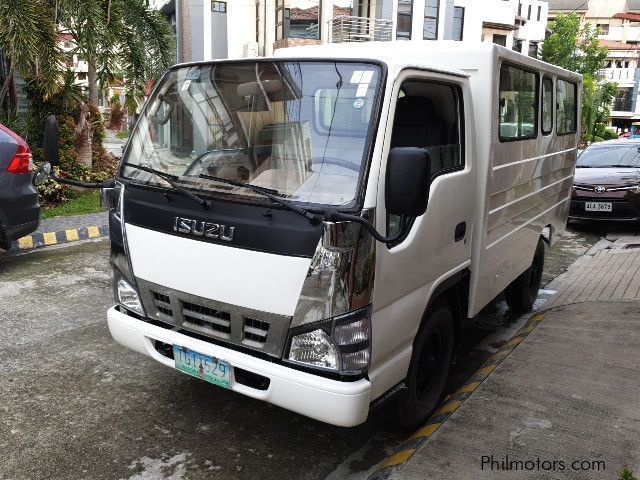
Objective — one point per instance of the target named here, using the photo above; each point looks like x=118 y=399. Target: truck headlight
x=314 y=348
x=127 y=296
x=342 y=343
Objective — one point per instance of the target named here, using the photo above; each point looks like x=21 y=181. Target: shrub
x=626 y=474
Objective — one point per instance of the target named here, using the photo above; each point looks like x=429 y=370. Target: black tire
x=429 y=368
x=523 y=291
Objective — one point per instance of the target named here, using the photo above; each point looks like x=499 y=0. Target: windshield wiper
x=269 y=193
x=329 y=214
x=170 y=179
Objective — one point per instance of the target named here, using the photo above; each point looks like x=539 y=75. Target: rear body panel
x=19 y=203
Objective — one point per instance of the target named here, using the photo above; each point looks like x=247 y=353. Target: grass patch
x=123 y=134
x=80 y=203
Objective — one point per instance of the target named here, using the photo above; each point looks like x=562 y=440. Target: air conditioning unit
x=251 y=49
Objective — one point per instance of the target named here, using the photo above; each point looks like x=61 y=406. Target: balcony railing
x=618 y=74
x=624 y=104
x=359 y=29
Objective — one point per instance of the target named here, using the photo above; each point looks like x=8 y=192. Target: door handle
x=461 y=230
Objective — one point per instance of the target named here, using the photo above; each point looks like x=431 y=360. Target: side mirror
x=109 y=196
x=407 y=181
x=50 y=143
x=41 y=175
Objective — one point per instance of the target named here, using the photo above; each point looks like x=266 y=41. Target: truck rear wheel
x=429 y=368
x=523 y=291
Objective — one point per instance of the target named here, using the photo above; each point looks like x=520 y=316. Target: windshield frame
x=354 y=206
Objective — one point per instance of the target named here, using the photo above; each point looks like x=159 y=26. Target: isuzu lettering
x=315 y=229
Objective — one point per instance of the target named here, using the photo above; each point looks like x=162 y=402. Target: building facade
x=211 y=29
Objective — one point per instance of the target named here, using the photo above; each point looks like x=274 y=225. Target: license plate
x=597 y=206
x=202 y=366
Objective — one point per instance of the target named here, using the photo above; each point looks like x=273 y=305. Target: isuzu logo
x=599 y=189
x=200 y=228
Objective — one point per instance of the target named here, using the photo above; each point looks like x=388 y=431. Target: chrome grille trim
x=263 y=331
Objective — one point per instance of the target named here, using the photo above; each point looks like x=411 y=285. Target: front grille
x=162 y=303
x=205 y=317
x=255 y=330
x=233 y=324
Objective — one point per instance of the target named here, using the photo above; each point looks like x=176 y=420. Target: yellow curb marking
x=93 y=232
x=483 y=372
x=449 y=407
x=526 y=329
x=49 y=238
x=514 y=341
x=398 y=458
x=72 y=234
x=468 y=388
x=25 y=242
x=425 y=431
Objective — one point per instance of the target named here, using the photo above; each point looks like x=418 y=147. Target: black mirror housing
x=407 y=181
x=50 y=143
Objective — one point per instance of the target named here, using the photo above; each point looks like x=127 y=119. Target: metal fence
x=359 y=29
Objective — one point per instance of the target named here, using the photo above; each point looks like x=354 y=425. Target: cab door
x=427 y=110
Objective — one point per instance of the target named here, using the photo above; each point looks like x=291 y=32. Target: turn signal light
x=22 y=161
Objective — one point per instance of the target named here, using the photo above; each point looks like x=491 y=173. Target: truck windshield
x=300 y=128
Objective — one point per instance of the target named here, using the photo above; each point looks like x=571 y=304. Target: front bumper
x=345 y=404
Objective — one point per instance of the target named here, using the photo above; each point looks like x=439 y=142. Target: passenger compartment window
x=567 y=111
x=518 y=103
x=547 y=105
x=429 y=115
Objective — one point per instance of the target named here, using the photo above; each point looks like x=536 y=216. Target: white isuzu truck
x=315 y=229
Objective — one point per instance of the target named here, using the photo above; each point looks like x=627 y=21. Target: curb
x=453 y=401
x=44 y=239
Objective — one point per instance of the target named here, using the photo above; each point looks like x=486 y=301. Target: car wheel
x=523 y=291
x=429 y=368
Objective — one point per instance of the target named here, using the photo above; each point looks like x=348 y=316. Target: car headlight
x=342 y=343
x=127 y=296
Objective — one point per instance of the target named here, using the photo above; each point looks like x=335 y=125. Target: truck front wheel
x=523 y=291
x=429 y=369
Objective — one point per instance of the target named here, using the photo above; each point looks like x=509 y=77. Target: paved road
x=75 y=404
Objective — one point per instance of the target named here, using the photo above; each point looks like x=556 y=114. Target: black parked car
x=19 y=204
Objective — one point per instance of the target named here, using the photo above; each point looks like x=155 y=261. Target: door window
x=429 y=115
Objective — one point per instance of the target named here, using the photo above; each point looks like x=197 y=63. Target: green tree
x=118 y=36
x=28 y=39
x=576 y=47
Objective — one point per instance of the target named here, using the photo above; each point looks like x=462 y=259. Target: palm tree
x=28 y=40
x=118 y=35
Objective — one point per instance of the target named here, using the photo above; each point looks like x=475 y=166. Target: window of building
x=547 y=105
x=517 y=45
x=566 y=111
x=500 y=40
x=539 y=12
x=219 y=7
x=603 y=28
x=529 y=12
x=430 y=29
x=533 y=49
x=429 y=115
x=458 y=23
x=519 y=9
x=405 y=12
x=297 y=22
x=518 y=108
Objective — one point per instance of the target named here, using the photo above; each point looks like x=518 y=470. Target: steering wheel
x=200 y=157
